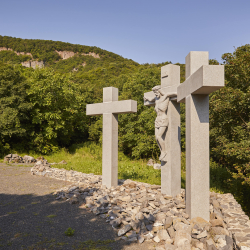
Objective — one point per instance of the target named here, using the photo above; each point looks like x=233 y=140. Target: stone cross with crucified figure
x=167 y=127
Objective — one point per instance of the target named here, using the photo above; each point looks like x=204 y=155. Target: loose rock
x=124 y=230
x=140 y=211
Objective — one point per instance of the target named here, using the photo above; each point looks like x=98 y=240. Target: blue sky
x=145 y=31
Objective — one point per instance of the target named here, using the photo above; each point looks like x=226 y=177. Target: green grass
x=69 y=232
x=11 y=212
x=94 y=245
x=87 y=158
x=51 y=216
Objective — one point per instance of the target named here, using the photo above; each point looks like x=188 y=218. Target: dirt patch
x=31 y=218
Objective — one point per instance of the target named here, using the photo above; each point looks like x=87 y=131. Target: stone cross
x=171 y=164
x=110 y=108
x=201 y=80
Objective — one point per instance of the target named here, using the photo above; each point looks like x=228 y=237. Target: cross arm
x=149 y=98
x=115 y=107
x=207 y=79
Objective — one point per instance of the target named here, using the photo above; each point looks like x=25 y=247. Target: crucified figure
x=161 y=121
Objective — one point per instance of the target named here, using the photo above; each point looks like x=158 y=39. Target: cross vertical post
x=171 y=167
x=110 y=141
x=201 y=80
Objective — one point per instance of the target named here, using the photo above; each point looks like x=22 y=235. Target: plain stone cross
x=171 y=164
x=201 y=80
x=110 y=108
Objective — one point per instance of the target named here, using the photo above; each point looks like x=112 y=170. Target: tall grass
x=87 y=158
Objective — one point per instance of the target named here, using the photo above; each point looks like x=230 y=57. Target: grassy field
x=87 y=158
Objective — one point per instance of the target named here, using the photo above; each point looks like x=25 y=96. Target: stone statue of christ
x=161 y=121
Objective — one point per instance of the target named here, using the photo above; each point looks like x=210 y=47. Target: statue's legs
x=156 y=137
x=161 y=143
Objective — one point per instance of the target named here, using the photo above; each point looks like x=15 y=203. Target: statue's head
x=156 y=90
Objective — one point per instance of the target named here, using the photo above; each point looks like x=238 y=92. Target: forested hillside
x=57 y=94
x=46 y=49
x=44 y=109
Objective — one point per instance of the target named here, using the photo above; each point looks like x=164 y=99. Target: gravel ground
x=31 y=218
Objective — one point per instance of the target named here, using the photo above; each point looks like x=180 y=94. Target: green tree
x=7 y=56
x=229 y=115
x=58 y=109
x=14 y=106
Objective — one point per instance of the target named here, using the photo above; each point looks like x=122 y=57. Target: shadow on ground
x=32 y=220
x=39 y=222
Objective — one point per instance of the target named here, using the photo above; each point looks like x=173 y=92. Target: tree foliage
x=57 y=109
x=14 y=106
x=45 y=50
x=229 y=115
x=8 y=56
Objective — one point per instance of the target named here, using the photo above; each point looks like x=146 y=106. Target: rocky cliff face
x=28 y=64
x=67 y=54
x=18 y=53
x=33 y=64
x=63 y=54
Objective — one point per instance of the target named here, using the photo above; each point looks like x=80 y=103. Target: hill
x=64 y=57
x=49 y=51
x=87 y=69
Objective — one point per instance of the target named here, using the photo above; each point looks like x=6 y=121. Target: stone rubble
x=153 y=164
x=15 y=158
x=139 y=212
x=157 y=166
x=61 y=162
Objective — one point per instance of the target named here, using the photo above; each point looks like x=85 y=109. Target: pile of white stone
x=15 y=158
x=152 y=163
x=139 y=212
x=39 y=162
x=43 y=168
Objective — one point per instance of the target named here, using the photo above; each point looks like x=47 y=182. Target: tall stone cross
x=201 y=80
x=110 y=108
x=171 y=163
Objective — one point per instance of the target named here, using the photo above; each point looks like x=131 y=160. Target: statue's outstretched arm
x=165 y=96
x=149 y=99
